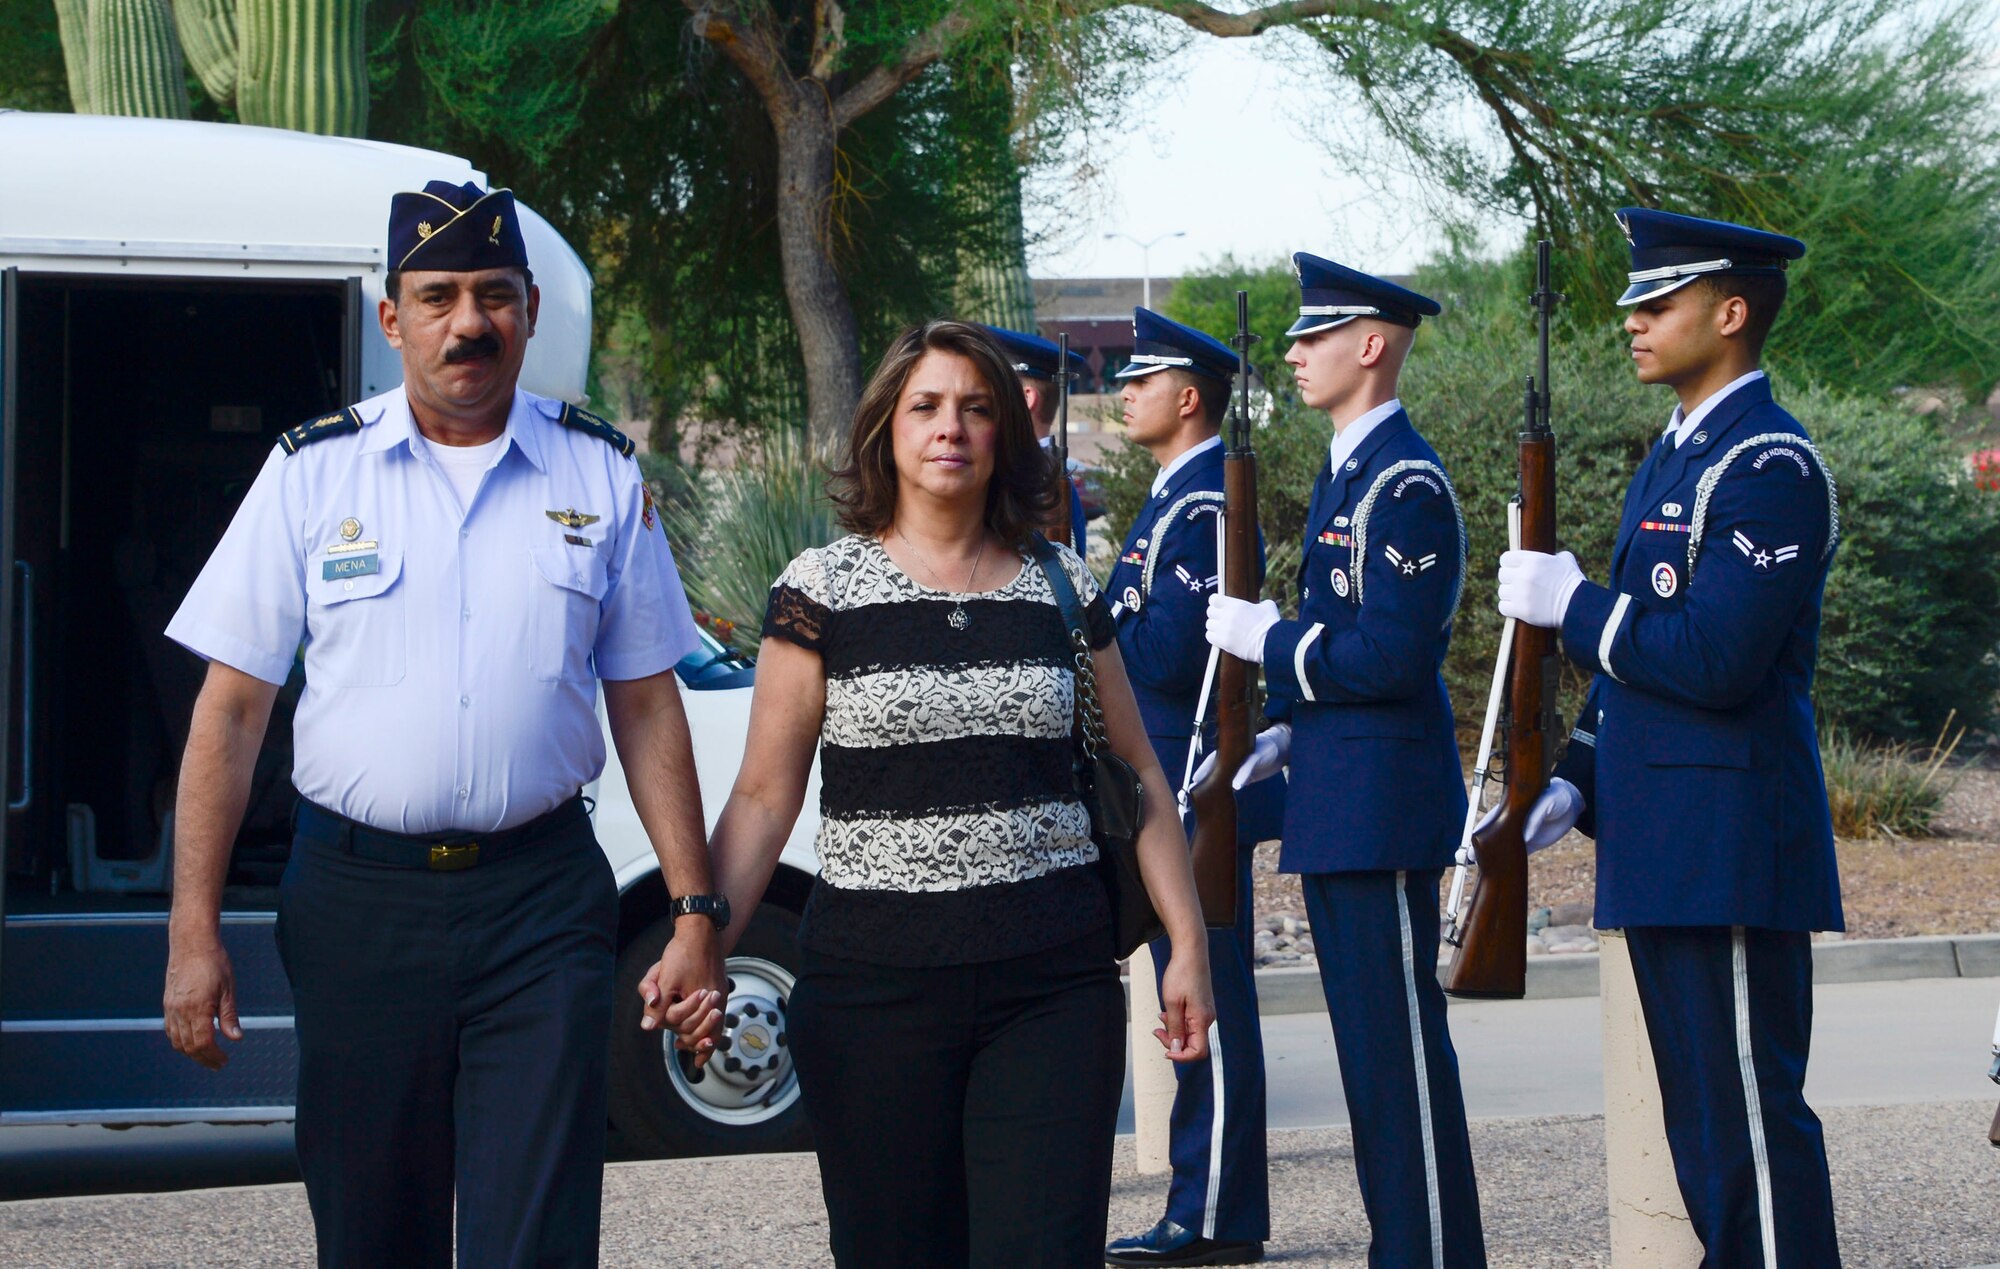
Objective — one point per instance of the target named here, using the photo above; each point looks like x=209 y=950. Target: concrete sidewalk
x=1912 y=1188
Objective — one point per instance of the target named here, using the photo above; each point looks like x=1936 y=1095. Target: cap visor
x=1315 y=324
x=1640 y=292
x=1136 y=369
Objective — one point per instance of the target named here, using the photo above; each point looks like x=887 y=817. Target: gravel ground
x=1912 y=1189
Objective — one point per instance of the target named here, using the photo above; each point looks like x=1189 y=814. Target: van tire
x=656 y=1114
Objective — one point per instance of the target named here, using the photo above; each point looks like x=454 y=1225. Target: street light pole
x=1145 y=259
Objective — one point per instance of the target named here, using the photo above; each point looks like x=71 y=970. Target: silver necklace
x=958 y=617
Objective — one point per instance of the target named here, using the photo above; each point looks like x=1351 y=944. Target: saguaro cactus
x=303 y=64
x=300 y=64
x=123 y=58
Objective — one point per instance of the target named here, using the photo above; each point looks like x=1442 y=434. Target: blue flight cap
x=1332 y=295
x=455 y=229
x=1034 y=356
x=1159 y=343
x=1669 y=251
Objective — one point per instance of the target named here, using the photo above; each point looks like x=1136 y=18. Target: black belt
x=439 y=852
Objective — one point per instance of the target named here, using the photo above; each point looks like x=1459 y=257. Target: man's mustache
x=484 y=346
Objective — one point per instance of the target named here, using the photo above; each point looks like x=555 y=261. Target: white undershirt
x=1681 y=427
x=1348 y=439
x=465 y=465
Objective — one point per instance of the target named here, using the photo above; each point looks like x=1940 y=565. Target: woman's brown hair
x=1022 y=494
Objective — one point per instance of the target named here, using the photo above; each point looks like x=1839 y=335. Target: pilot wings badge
x=571 y=518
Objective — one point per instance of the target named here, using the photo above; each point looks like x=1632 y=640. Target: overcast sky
x=1220 y=148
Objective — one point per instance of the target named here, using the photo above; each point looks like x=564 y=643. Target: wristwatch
x=713 y=906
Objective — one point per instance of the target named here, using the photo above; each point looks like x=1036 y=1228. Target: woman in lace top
x=958 y=1025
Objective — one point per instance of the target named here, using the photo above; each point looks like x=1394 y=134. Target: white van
x=172 y=296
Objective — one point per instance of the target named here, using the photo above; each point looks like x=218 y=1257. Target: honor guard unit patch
x=1338 y=579
x=585 y=421
x=1665 y=580
x=319 y=429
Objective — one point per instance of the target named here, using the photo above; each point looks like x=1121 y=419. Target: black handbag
x=1106 y=784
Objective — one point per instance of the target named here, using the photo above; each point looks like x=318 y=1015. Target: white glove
x=1554 y=814
x=1535 y=588
x=1267 y=758
x=1238 y=626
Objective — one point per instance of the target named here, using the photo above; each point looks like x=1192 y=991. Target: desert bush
x=735 y=530
x=1885 y=790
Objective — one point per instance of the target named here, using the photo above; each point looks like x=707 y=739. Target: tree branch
x=885 y=81
x=755 y=51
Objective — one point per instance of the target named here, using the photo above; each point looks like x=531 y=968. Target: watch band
x=713 y=906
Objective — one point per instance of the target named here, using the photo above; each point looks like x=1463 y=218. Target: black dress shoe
x=1168 y=1244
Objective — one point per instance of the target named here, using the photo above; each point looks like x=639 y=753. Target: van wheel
x=746 y=1100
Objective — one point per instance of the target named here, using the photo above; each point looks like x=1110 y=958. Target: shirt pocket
x=1681 y=743
x=568 y=602
x=355 y=623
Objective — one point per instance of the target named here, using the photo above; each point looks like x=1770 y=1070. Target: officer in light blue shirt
x=459 y=564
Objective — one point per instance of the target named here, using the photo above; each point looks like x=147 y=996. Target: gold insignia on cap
x=571 y=518
x=350 y=529
x=494 y=236
x=424 y=229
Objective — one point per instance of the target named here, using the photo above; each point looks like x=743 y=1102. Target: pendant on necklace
x=958 y=618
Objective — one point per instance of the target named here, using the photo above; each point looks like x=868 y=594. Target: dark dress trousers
x=1373 y=812
x=1699 y=764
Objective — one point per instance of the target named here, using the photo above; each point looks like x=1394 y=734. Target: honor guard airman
x=1695 y=763
x=459 y=563
x=1376 y=796
x=1175 y=396
x=1036 y=360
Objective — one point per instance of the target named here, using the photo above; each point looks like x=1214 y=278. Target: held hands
x=1272 y=750
x=1187 y=1007
x=1238 y=626
x=1554 y=814
x=1536 y=587
x=200 y=1000
x=686 y=991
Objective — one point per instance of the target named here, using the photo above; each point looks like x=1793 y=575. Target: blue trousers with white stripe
x=1729 y=1014
x=1377 y=938
x=1221 y=1187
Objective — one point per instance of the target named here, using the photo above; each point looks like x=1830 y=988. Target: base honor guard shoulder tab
x=585 y=421
x=339 y=423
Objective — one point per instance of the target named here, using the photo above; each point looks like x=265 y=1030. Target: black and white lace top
x=950 y=832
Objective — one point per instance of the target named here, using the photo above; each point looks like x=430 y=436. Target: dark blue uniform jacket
x=1163 y=631
x=1375 y=777
x=1696 y=751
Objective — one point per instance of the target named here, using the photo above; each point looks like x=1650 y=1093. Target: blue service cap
x=455 y=229
x=1670 y=250
x=1034 y=356
x=1332 y=295
x=1160 y=343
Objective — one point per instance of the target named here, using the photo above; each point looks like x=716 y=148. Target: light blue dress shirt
x=451 y=658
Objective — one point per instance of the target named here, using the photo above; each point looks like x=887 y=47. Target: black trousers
x=451 y=1030
x=964 y=1115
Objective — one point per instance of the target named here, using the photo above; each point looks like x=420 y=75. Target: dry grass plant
x=1887 y=790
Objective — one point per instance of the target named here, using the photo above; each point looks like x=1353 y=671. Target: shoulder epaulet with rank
x=339 y=423
x=585 y=421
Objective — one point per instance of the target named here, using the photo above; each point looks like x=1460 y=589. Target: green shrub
x=734 y=531
x=1885 y=790
x=1912 y=609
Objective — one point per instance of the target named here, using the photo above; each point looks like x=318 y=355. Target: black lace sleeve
x=798 y=611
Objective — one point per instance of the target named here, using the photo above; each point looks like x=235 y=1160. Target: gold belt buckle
x=454 y=856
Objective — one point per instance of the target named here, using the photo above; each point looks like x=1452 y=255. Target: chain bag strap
x=1106 y=784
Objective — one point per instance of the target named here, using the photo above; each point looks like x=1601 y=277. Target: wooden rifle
x=1214 y=798
x=1489 y=936
x=1060 y=528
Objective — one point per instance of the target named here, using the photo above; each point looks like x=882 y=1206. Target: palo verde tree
x=1787 y=112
